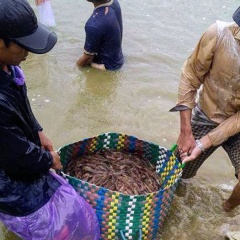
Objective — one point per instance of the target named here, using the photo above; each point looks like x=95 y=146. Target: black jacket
x=25 y=182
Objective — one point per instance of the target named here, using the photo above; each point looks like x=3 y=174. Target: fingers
x=187 y=159
x=183 y=153
x=56 y=161
x=184 y=150
x=185 y=156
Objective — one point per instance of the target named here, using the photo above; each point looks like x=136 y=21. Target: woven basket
x=124 y=216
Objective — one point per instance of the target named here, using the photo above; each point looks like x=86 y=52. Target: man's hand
x=186 y=140
x=56 y=161
x=47 y=145
x=84 y=60
x=194 y=154
x=205 y=142
x=45 y=141
x=186 y=144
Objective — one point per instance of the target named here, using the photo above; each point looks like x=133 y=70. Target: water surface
x=72 y=104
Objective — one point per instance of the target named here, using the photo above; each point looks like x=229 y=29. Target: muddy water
x=72 y=104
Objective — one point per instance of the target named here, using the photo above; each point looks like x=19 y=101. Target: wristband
x=200 y=145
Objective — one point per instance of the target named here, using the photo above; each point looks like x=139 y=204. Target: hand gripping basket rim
x=131 y=215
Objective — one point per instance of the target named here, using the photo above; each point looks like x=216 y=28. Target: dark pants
x=231 y=146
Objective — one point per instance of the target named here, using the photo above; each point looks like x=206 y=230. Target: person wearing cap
x=209 y=101
x=103 y=43
x=35 y=203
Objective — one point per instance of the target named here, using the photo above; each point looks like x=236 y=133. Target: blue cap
x=19 y=24
x=236 y=16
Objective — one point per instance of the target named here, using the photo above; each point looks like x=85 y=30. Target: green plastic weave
x=129 y=214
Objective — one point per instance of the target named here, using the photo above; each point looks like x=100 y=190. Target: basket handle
x=123 y=237
x=173 y=148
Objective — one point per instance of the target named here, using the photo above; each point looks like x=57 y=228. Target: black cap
x=18 y=23
x=236 y=16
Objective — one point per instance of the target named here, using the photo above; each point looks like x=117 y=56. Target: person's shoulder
x=233 y=27
x=222 y=26
x=100 y=18
x=94 y=24
x=97 y=16
x=212 y=29
x=116 y=4
x=217 y=28
x=210 y=33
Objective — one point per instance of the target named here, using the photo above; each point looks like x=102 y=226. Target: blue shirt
x=104 y=35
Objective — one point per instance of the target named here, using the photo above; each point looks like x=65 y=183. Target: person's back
x=106 y=24
x=104 y=35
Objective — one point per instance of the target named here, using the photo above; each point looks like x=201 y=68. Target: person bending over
x=209 y=101
x=103 y=43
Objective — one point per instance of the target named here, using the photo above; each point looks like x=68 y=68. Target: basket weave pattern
x=117 y=212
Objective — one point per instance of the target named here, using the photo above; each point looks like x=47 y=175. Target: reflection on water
x=72 y=104
x=91 y=108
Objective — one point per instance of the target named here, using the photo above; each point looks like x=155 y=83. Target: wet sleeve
x=17 y=152
x=38 y=126
x=196 y=67
x=226 y=129
x=93 y=40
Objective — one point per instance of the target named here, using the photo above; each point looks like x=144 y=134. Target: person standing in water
x=103 y=43
x=209 y=101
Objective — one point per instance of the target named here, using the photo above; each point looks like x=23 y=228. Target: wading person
x=209 y=101
x=35 y=203
x=103 y=43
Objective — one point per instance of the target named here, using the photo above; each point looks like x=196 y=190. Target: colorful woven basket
x=127 y=216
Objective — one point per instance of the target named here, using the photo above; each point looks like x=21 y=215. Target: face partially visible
x=13 y=54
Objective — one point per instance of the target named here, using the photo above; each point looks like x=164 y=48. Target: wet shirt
x=104 y=35
x=25 y=182
x=213 y=73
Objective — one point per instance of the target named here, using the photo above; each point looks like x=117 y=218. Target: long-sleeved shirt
x=25 y=184
x=213 y=71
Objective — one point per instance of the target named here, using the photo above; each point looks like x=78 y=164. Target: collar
x=235 y=29
x=107 y=4
x=237 y=35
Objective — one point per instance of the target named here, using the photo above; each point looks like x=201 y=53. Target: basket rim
x=110 y=133
x=123 y=134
